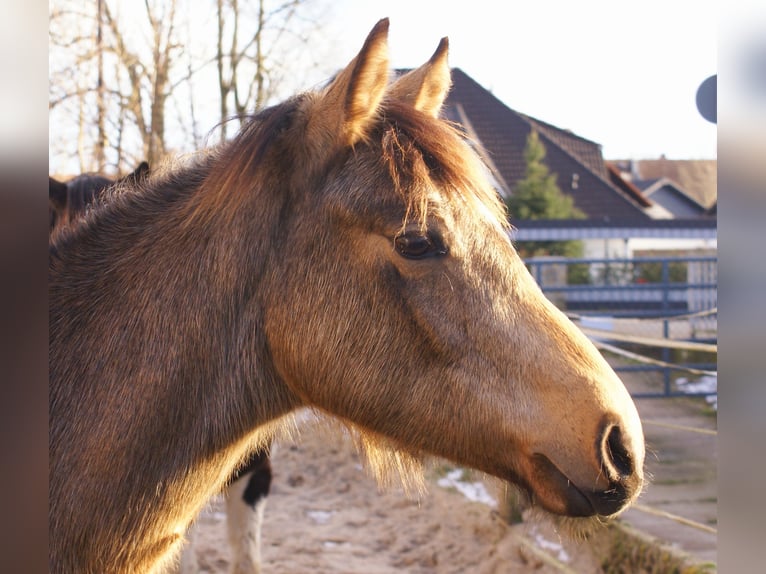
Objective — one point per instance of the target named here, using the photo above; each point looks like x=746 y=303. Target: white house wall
x=605 y=248
x=656 y=244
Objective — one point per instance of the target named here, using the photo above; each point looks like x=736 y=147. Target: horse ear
x=140 y=172
x=57 y=192
x=353 y=97
x=426 y=87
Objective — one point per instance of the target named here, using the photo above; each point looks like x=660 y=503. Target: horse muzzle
x=618 y=482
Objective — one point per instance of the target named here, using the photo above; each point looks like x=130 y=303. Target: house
x=674 y=200
x=617 y=211
x=685 y=189
x=696 y=179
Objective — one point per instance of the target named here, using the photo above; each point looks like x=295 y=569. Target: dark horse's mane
x=84 y=190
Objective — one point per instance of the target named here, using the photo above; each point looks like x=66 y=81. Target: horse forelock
x=420 y=150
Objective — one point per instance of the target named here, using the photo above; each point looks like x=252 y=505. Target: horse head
x=404 y=309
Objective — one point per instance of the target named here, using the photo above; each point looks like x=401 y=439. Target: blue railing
x=670 y=297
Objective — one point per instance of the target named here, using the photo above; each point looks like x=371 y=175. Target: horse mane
x=235 y=167
x=416 y=147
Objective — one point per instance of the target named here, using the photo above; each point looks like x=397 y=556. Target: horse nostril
x=615 y=455
x=620 y=468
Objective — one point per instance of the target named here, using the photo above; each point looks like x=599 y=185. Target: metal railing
x=640 y=300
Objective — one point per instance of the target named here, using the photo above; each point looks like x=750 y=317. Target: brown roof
x=650 y=186
x=697 y=178
x=628 y=187
x=577 y=162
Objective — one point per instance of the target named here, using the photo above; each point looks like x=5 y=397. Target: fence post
x=666 y=322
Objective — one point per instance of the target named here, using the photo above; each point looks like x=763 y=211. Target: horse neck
x=155 y=320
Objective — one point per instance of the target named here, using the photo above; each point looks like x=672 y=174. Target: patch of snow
x=604 y=323
x=704 y=384
x=474 y=491
x=320 y=516
x=334 y=544
x=545 y=544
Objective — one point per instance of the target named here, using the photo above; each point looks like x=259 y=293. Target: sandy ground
x=326 y=515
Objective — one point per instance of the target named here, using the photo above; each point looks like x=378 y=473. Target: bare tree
x=149 y=84
x=73 y=83
x=120 y=69
x=137 y=91
x=249 y=35
x=100 y=104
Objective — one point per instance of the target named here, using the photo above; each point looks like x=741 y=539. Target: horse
x=248 y=487
x=344 y=252
x=68 y=201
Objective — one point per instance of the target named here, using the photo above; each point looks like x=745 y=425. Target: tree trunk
x=100 y=106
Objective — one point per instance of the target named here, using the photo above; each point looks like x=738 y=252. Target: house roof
x=628 y=187
x=650 y=186
x=698 y=179
x=577 y=162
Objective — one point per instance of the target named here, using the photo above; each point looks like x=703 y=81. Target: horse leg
x=245 y=506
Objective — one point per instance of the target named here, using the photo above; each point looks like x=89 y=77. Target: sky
x=622 y=74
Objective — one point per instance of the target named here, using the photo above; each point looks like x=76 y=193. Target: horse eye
x=418 y=246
